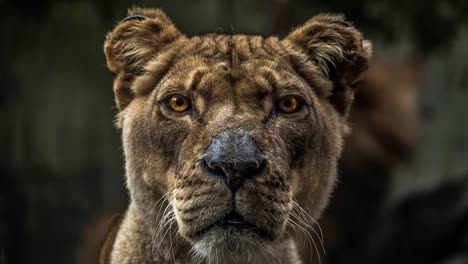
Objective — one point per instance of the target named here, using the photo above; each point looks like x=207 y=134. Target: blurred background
x=61 y=160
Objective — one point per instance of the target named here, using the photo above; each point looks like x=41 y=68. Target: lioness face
x=232 y=131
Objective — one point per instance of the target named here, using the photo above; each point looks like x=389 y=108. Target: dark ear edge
x=132 y=43
x=133 y=17
x=338 y=49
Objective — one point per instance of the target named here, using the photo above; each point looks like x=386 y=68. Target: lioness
x=231 y=142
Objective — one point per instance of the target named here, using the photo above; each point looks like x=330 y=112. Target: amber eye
x=288 y=104
x=178 y=103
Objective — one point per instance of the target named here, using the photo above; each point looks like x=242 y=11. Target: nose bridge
x=224 y=111
x=227 y=113
x=232 y=126
x=234 y=156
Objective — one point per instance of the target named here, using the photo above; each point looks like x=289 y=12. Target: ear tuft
x=139 y=36
x=330 y=40
x=134 y=41
x=338 y=49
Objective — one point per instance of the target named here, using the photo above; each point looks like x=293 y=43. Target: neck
x=136 y=243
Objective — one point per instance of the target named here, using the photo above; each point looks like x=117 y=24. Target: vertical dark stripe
x=249 y=45
x=270 y=47
x=281 y=48
x=234 y=55
x=261 y=46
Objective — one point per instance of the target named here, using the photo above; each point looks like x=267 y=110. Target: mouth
x=235 y=224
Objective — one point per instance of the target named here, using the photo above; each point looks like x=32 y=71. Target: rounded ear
x=338 y=50
x=133 y=42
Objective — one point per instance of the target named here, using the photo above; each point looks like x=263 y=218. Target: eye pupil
x=287 y=104
x=179 y=101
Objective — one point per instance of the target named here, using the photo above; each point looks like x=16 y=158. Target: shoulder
x=112 y=230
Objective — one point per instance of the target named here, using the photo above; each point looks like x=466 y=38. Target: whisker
x=302 y=221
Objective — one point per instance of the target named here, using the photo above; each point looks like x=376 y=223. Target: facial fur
x=228 y=174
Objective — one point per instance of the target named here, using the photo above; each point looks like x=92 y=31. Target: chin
x=231 y=244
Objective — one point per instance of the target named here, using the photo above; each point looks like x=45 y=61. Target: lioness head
x=226 y=134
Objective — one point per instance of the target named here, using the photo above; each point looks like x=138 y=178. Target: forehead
x=239 y=62
x=234 y=49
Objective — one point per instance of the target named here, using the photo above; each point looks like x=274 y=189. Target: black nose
x=234 y=156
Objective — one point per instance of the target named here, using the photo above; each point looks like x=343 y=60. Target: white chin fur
x=222 y=246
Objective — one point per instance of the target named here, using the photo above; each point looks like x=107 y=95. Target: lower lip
x=240 y=227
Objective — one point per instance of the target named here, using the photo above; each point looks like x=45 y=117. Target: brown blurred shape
x=385 y=117
x=385 y=123
x=95 y=234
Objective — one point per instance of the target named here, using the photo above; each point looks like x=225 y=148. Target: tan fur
x=233 y=83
